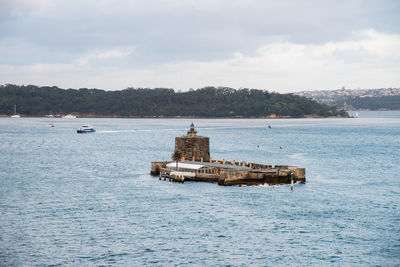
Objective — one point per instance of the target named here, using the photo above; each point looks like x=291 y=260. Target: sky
x=281 y=46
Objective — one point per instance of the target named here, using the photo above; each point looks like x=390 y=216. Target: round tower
x=193 y=146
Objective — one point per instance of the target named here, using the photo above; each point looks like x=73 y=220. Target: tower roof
x=192 y=131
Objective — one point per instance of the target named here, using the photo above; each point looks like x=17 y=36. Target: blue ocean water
x=70 y=199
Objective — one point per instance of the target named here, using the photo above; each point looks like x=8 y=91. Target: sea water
x=88 y=199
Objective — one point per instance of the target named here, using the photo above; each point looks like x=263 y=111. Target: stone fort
x=196 y=165
x=192 y=146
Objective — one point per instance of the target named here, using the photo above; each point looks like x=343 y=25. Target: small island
x=192 y=162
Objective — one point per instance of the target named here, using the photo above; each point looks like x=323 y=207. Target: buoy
x=291 y=180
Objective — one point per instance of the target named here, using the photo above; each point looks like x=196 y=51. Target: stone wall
x=280 y=176
x=193 y=146
x=156 y=167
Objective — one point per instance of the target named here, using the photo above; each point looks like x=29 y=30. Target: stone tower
x=192 y=145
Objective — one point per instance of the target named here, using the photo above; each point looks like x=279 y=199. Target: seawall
x=229 y=173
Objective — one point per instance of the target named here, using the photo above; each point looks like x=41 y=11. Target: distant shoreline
x=87 y=116
x=176 y=117
x=207 y=102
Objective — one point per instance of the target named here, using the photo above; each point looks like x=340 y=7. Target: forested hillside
x=371 y=103
x=205 y=102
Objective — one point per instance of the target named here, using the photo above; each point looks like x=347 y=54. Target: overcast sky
x=282 y=46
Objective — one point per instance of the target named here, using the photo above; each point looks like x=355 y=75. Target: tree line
x=371 y=103
x=205 y=102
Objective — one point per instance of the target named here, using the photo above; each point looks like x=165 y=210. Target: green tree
x=176 y=156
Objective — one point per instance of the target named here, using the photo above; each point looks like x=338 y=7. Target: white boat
x=69 y=116
x=15 y=113
x=86 y=129
x=356 y=116
x=51 y=124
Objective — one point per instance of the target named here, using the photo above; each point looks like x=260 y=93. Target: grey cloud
x=170 y=31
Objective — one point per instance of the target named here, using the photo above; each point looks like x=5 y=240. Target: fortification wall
x=193 y=146
x=157 y=166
